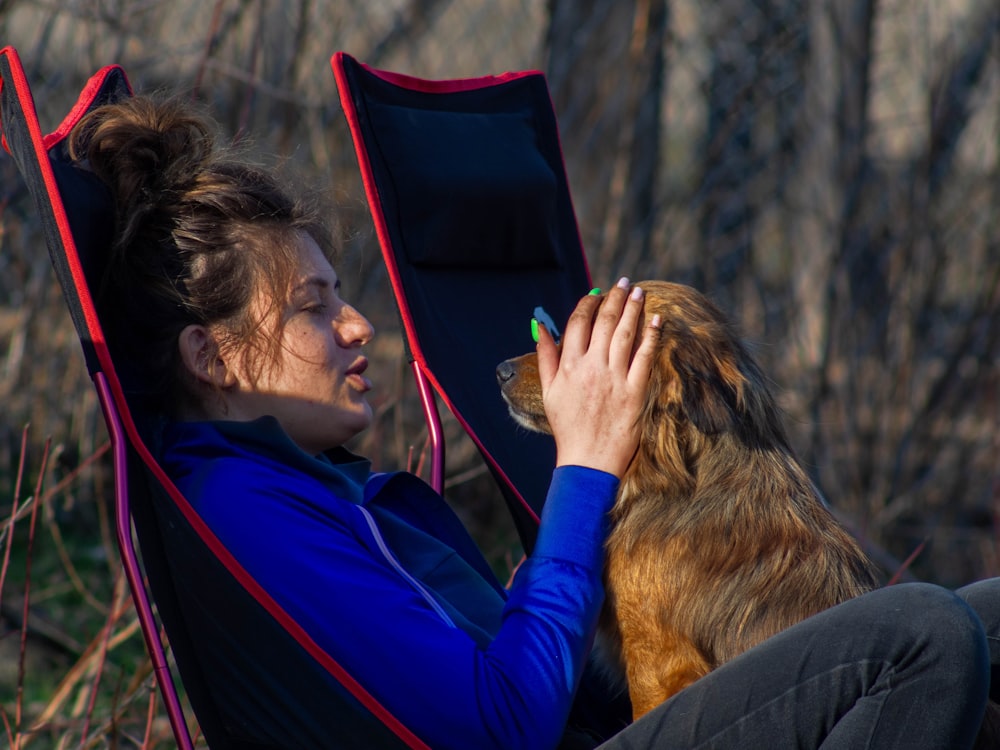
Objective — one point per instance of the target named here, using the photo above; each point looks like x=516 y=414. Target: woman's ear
x=200 y=355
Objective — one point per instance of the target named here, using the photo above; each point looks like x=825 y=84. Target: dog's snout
x=505 y=371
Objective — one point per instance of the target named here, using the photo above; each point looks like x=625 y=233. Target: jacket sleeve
x=321 y=568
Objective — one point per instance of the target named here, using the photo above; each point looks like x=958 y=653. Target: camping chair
x=469 y=197
x=253 y=677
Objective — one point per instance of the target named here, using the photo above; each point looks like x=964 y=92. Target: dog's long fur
x=719 y=539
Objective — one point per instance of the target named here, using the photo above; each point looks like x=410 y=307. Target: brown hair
x=198 y=232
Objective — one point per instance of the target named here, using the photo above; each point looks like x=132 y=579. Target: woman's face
x=316 y=388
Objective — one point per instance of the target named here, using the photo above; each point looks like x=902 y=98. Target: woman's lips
x=355 y=374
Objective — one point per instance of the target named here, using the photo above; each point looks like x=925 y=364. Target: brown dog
x=719 y=539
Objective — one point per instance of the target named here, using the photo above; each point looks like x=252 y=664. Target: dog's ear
x=711 y=384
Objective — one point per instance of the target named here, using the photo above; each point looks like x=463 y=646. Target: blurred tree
x=607 y=72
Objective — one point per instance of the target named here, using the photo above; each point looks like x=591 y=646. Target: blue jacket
x=382 y=575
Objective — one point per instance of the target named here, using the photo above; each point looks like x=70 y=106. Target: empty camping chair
x=254 y=678
x=468 y=192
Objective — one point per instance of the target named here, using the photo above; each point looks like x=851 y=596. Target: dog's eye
x=540 y=316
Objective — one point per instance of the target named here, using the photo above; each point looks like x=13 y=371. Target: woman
x=231 y=305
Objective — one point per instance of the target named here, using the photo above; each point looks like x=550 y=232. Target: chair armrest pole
x=434 y=430
x=130 y=561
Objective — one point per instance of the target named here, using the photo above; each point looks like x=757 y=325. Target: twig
x=210 y=44
x=7 y=727
x=466 y=476
x=9 y=530
x=56 y=533
x=18 y=512
x=113 y=723
x=27 y=586
x=150 y=717
x=897 y=576
x=261 y=86
x=113 y=615
x=67 y=562
x=73 y=475
x=77 y=672
x=251 y=89
x=421 y=457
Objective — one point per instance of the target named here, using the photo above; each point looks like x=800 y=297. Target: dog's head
x=704 y=384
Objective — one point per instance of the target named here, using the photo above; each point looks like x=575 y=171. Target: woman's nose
x=353 y=328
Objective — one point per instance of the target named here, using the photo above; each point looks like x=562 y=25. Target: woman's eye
x=316 y=309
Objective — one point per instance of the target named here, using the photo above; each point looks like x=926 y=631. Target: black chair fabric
x=468 y=191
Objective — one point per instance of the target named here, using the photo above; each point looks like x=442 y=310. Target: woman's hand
x=594 y=390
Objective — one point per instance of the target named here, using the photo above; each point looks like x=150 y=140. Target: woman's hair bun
x=145 y=150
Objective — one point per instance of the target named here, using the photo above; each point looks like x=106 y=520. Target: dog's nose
x=505 y=371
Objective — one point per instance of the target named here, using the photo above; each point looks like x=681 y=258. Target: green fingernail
x=594 y=292
x=534 y=330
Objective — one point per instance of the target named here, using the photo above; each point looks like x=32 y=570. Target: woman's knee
x=925 y=607
x=940 y=625
x=984 y=598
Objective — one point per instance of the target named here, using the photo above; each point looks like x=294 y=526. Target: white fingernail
x=623 y=282
x=637 y=293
